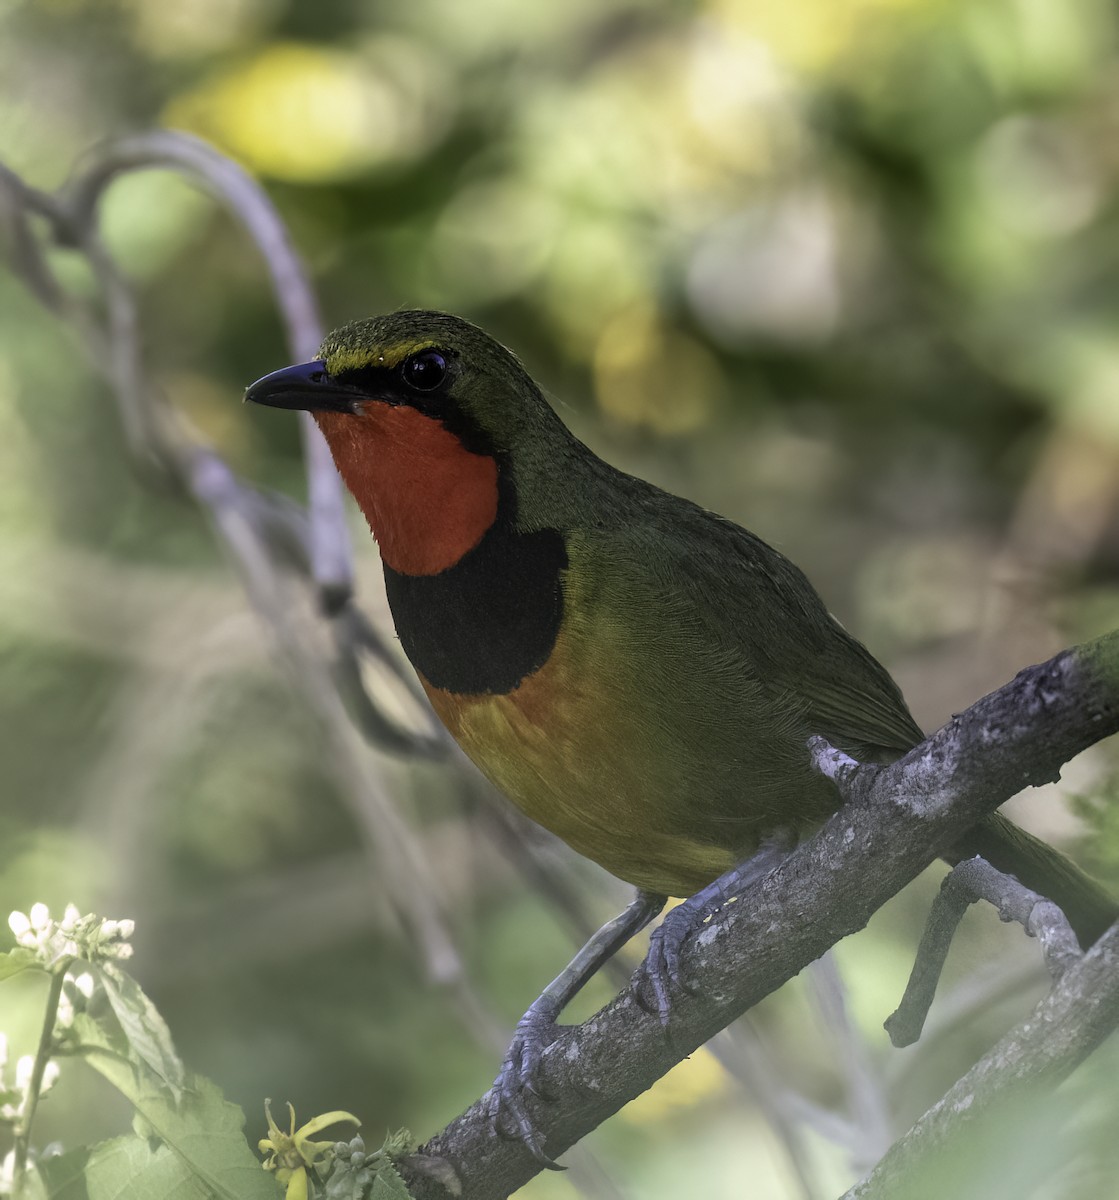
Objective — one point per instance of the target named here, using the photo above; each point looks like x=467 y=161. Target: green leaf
x=148 y=1036
x=14 y=961
x=33 y=1187
x=387 y=1185
x=205 y=1133
x=355 y=1175
x=348 y=1183
x=126 y=1168
x=63 y=1175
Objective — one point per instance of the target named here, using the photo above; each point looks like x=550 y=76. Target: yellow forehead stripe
x=351 y=358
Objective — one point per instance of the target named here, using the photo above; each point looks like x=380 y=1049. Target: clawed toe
x=659 y=973
x=505 y=1107
x=522 y=1128
x=661 y=968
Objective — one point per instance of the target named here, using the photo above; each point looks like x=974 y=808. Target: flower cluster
x=88 y=937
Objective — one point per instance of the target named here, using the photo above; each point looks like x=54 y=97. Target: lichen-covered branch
x=897 y=819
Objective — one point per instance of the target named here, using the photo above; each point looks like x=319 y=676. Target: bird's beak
x=307 y=386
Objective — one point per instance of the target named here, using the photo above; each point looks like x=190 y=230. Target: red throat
x=428 y=499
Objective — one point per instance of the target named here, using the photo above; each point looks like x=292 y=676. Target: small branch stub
x=833 y=764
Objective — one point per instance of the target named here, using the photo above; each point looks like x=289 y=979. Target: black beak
x=307 y=386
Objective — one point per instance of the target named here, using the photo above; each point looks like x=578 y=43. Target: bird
x=637 y=674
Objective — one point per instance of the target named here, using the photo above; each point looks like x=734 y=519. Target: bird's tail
x=1089 y=908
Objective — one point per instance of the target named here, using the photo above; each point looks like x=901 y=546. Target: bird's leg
x=662 y=965
x=536 y=1030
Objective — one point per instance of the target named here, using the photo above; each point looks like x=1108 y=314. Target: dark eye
x=424 y=371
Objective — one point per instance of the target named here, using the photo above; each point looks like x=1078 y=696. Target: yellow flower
x=291 y=1155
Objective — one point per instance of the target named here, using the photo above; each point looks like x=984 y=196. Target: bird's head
x=429 y=420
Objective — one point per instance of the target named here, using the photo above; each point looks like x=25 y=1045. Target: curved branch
x=246 y=523
x=331 y=557
x=895 y=821
x=971 y=880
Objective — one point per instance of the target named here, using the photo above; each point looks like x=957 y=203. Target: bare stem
x=240 y=515
x=42 y=1057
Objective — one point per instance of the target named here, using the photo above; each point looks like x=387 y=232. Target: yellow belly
x=562 y=747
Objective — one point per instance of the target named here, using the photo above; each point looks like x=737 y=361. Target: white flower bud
x=64 y=1015
x=70 y=918
x=20 y=924
x=40 y=917
x=84 y=983
x=123 y=950
x=127 y=928
x=25 y=1068
x=23 y=1072
x=8 y=1173
x=110 y=929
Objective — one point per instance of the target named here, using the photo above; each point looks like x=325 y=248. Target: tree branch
x=895 y=821
x=236 y=190
x=969 y=881
x=1068 y=1024
x=246 y=521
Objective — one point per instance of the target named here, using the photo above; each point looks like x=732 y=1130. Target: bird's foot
x=661 y=968
x=519 y=1073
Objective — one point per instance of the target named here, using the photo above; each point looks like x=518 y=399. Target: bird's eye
x=424 y=371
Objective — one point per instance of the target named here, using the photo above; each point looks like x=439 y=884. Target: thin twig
x=990 y=985
x=19 y=201
x=409 y=880
x=744 y=1058
x=798 y=1108
x=969 y=881
x=157 y=437
x=868 y=1109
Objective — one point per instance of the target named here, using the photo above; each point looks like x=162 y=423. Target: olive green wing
x=761 y=611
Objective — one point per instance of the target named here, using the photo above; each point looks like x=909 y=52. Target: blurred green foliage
x=844 y=270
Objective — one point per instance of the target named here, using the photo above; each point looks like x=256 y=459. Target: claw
x=637 y=990
x=537 y=1029
x=524 y=1130
x=662 y=965
x=535 y=1032
x=661 y=968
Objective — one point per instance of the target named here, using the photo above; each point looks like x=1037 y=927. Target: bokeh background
x=844 y=270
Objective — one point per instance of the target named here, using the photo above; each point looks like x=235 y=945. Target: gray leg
x=536 y=1030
